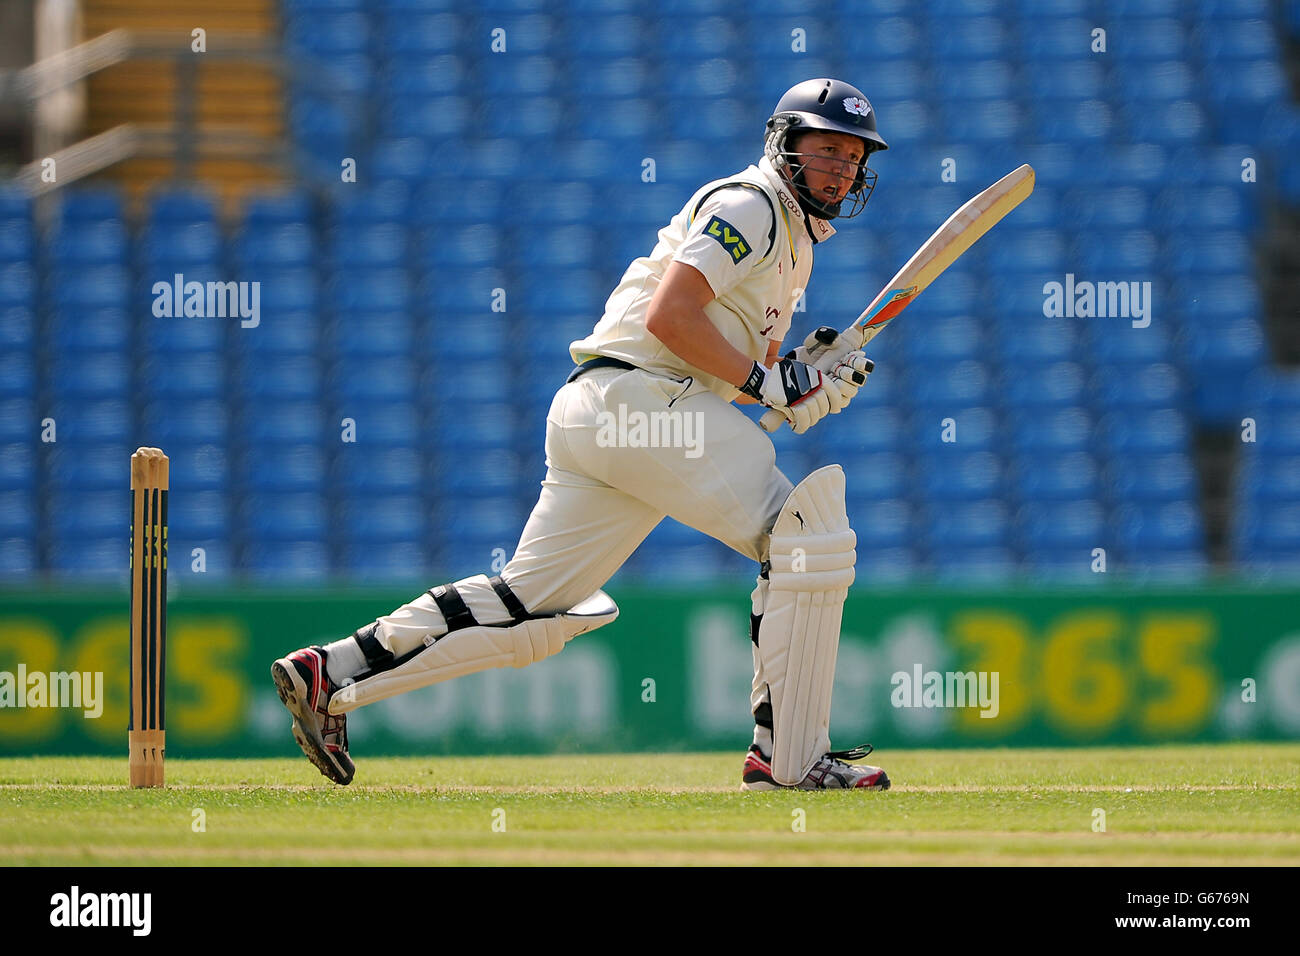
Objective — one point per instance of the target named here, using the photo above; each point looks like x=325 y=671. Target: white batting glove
x=795 y=389
x=824 y=348
x=845 y=378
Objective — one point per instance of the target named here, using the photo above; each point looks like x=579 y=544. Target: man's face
x=830 y=163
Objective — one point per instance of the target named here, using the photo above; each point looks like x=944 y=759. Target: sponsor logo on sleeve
x=728 y=237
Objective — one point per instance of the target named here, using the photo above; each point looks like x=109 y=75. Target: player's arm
x=676 y=317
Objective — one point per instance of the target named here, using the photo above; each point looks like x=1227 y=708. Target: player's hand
x=824 y=348
x=793 y=388
x=845 y=378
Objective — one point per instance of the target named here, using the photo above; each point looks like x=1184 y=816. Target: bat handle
x=771 y=420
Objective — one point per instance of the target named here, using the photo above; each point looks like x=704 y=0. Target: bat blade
x=945 y=246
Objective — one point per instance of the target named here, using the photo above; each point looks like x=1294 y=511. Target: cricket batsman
x=691 y=328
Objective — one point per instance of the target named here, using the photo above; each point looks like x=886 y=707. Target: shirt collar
x=818 y=229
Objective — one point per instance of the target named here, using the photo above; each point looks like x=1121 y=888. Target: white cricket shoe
x=305 y=689
x=830 y=772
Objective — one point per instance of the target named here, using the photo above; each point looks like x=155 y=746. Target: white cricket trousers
x=600 y=499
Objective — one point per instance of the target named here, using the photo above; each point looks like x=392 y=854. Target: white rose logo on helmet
x=855 y=104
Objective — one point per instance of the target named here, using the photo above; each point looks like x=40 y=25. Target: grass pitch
x=1234 y=805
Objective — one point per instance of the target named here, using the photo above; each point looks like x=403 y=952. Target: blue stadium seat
x=392 y=424
x=617 y=120
x=1151 y=386
x=367 y=246
x=357 y=205
x=1058 y=430
x=1217 y=253
x=17 y=240
x=487 y=473
x=952 y=525
x=89 y=244
x=447 y=75
x=380 y=470
x=471 y=246
x=280 y=291
x=94 y=420
x=1164 y=526
x=578 y=293
x=972 y=429
x=1237 y=40
x=883 y=523
x=103 y=376
x=169 y=244
x=1269 y=478
x=428 y=119
x=472 y=292
x=1077 y=79
x=476 y=526
x=393 y=561
x=1152 y=477
x=78 y=513
x=278 y=208
x=199 y=514
x=87 y=288
x=294 y=422
x=520 y=79
x=1059 y=525
x=199 y=467
x=1156 y=82
x=1055 y=477
x=261 y=377
x=1122 y=345
x=198 y=422
x=1219 y=207
x=18 y=514
x=352 y=289
x=275 y=246
x=455 y=426
x=18 y=418
x=424 y=33
x=185 y=376
x=17 y=556
x=1275 y=388
x=281 y=468
x=1054 y=40
x=959 y=475
x=980 y=565
x=1037 y=387
x=957 y=386
x=92 y=203
x=281 y=333
x=1038 y=342
x=14 y=204
x=532 y=118
x=958 y=80
x=1126 y=255
x=1152 y=431
x=327 y=35
x=187 y=205
x=80 y=560
x=287 y=561
x=408 y=158
x=17 y=329
x=378 y=335
x=72 y=331
x=17 y=467
x=875 y=475
x=1073 y=123
x=285 y=516
x=364 y=378
x=17 y=286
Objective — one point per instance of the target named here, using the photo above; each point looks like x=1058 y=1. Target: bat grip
x=771 y=420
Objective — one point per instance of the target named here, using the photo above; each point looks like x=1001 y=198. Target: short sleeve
x=727 y=237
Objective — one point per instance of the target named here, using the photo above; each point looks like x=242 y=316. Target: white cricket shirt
x=726 y=239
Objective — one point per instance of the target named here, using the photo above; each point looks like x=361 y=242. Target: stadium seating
x=361 y=430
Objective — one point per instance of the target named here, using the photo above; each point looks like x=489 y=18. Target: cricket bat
x=976 y=216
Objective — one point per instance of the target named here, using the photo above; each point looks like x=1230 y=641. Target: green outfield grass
x=1232 y=805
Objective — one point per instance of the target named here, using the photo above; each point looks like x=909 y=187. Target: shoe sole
x=764 y=785
x=311 y=742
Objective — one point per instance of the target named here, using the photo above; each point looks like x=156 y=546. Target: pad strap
x=452 y=606
x=513 y=605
